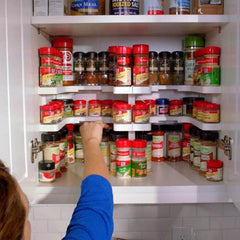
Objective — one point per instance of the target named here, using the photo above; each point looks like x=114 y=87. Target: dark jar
x=178 y=68
x=112 y=64
x=91 y=68
x=103 y=74
x=153 y=68
x=79 y=68
x=165 y=72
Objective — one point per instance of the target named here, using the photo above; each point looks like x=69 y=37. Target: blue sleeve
x=93 y=216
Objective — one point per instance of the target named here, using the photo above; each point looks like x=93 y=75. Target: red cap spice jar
x=175 y=108
x=47 y=77
x=94 y=108
x=47 y=114
x=152 y=106
x=141 y=113
x=65 y=45
x=112 y=64
x=79 y=108
x=70 y=156
x=199 y=111
x=211 y=112
x=214 y=170
x=139 y=161
x=122 y=112
x=58 y=110
x=106 y=108
x=47 y=56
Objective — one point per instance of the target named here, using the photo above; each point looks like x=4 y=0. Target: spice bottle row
x=126 y=66
x=123 y=7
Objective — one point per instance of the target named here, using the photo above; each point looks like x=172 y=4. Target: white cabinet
x=169 y=183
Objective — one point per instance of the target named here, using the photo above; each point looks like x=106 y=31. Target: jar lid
x=70 y=127
x=58 y=102
x=63 y=42
x=122 y=105
x=140 y=107
x=76 y=127
x=173 y=127
x=51 y=137
x=198 y=53
x=208 y=105
x=194 y=131
x=139 y=102
x=139 y=143
x=112 y=49
x=144 y=135
x=199 y=103
x=188 y=99
x=123 y=143
x=214 y=164
x=158 y=127
x=212 y=50
x=67 y=101
x=140 y=48
x=103 y=54
x=162 y=101
x=94 y=101
x=194 y=41
x=107 y=102
x=186 y=126
x=113 y=136
x=78 y=55
x=123 y=50
x=199 y=98
x=175 y=102
x=59 y=54
x=150 y=101
x=153 y=54
x=164 y=54
x=209 y=135
x=63 y=132
x=48 y=107
x=47 y=70
x=46 y=165
x=80 y=102
x=177 y=54
x=47 y=51
x=91 y=55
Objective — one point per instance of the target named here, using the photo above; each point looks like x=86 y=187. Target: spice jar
x=186 y=130
x=58 y=110
x=112 y=64
x=174 y=138
x=191 y=44
x=178 y=68
x=104 y=146
x=63 y=149
x=59 y=67
x=94 y=108
x=79 y=68
x=68 y=107
x=179 y=7
x=208 y=149
x=175 y=108
x=91 y=68
x=187 y=106
x=139 y=162
x=211 y=112
x=153 y=7
x=70 y=156
x=46 y=171
x=152 y=106
x=196 y=149
x=123 y=76
x=199 y=107
x=162 y=106
x=122 y=112
x=186 y=150
x=103 y=74
x=123 y=7
x=106 y=108
x=47 y=114
x=195 y=106
x=158 y=131
x=47 y=57
x=65 y=45
x=47 y=77
x=164 y=60
x=80 y=108
x=123 y=160
x=141 y=68
x=214 y=170
x=153 y=68
x=141 y=113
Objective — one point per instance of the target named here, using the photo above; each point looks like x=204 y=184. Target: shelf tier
x=168 y=183
x=108 y=25
x=130 y=90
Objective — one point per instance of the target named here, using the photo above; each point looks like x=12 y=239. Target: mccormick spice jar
x=123 y=7
x=91 y=68
x=178 y=68
x=79 y=68
x=186 y=149
x=68 y=107
x=94 y=108
x=175 y=108
x=47 y=77
x=46 y=171
x=47 y=114
x=195 y=106
x=139 y=162
x=123 y=76
x=58 y=111
x=164 y=60
x=70 y=155
x=106 y=108
x=152 y=106
x=80 y=108
x=103 y=74
x=179 y=7
x=122 y=112
x=140 y=68
x=214 y=171
x=65 y=45
x=112 y=64
x=162 y=106
x=153 y=68
x=211 y=112
x=153 y=7
x=141 y=113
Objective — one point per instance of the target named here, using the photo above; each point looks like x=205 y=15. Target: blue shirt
x=92 y=218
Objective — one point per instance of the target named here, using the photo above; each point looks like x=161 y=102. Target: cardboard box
x=209 y=7
x=58 y=7
x=40 y=8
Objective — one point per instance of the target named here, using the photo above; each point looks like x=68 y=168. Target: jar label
x=124 y=7
x=211 y=116
x=139 y=168
x=162 y=109
x=175 y=110
x=70 y=154
x=67 y=66
x=174 y=146
x=189 y=67
x=123 y=168
x=138 y=154
x=48 y=80
x=85 y=6
x=214 y=174
x=123 y=116
x=94 y=111
x=47 y=176
x=208 y=153
x=80 y=110
x=157 y=146
x=210 y=76
x=141 y=116
x=51 y=153
x=123 y=76
x=113 y=167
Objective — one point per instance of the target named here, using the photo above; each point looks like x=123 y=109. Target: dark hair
x=12 y=211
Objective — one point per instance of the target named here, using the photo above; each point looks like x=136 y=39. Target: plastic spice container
x=47 y=57
x=214 y=170
x=153 y=68
x=70 y=156
x=91 y=68
x=196 y=150
x=58 y=111
x=186 y=130
x=123 y=7
x=79 y=68
x=174 y=138
x=164 y=60
x=153 y=7
x=141 y=68
x=104 y=146
x=122 y=112
x=59 y=67
x=123 y=76
x=68 y=107
x=80 y=108
x=208 y=149
x=106 y=108
x=112 y=64
x=186 y=149
x=158 y=131
x=123 y=160
x=94 y=108
x=162 y=106
x=175 y=108
x=211 y=112
x=65 y=45
x=141 y=113
x=179 y=7
x=147 y=136
x=47 y=77
x=152 y=106
x=46 y=171
x=187 y=106
x=47 y=114
x=195 y=106
x=178 y=68
x=139 y=161
x=199 y=110
x=103 y=75
x=191 y=44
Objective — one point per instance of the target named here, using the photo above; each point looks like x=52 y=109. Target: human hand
x=92 y=131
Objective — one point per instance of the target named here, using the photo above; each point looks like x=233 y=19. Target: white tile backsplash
x=146 y=222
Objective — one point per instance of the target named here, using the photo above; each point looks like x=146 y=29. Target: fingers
x=89 y=124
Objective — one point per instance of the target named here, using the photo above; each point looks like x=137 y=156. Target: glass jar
x=165 y=73
x=46 y=171
x=195 y=106
x=122 y=112
x=87 y=7
x=106 y=108
x=70 y=157
x=141 y=113
x=214 y=171
x=179 y=7
x=141 y=68
x=122 y=7
x=112 y=64
x=153 y=68
x=186 y=150
x=187 y=107
x=211 y=112
x=123 y=76
x=175 y=108
x=65 y=45
x=162 y=106
x=153 y=7
x=80 y=108
x=152 y=106
x=158 y=131
x=104 y=146
x=103 y=74
x=79 y=68
x=91 y=68
x=94 y=108
x=178 y=68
